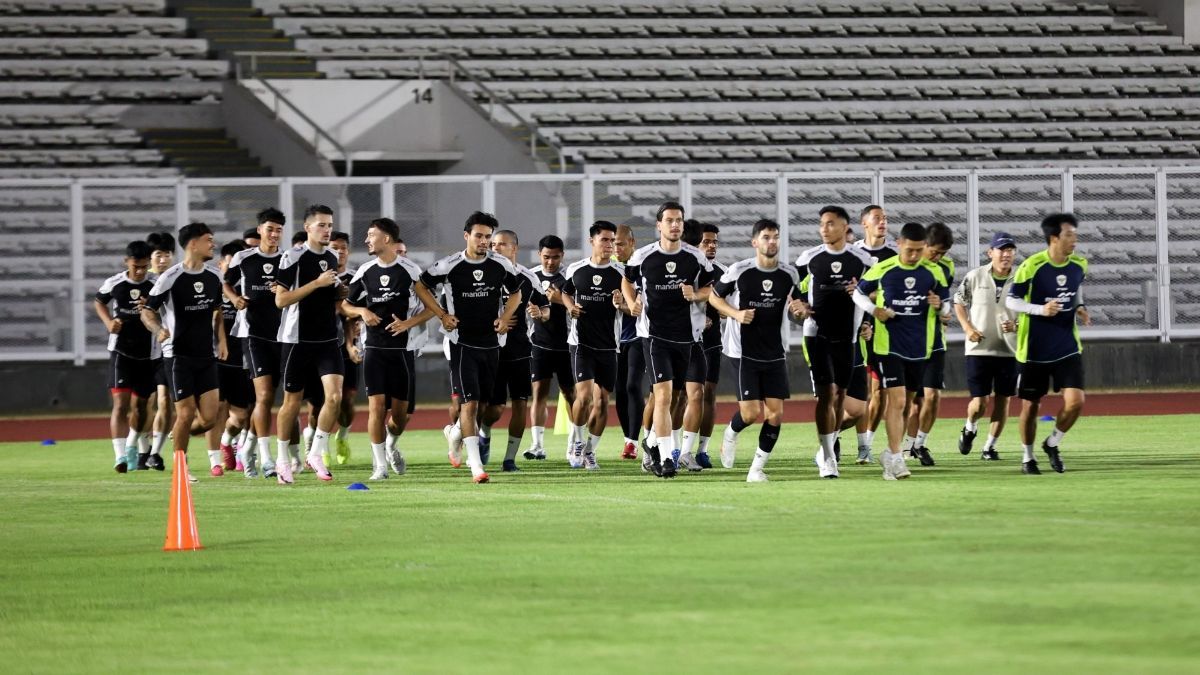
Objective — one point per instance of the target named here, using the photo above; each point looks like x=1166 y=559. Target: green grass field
x=967 y=567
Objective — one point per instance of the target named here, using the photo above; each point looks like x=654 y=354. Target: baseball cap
x=1003 y=240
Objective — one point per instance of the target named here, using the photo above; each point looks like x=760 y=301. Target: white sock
x=485 y=431
x=119 y=448
x=389 y=441
x=921 y=436
x=1027 y=451
x=131 y=440
x=281 y=451
x=651 y=439
x=1055 y=437
x=575 y=434
x=143 y=443
x=226 y=437
x=473 y=460
x=539 y=435
x=156 y=444
x=294 y=449
x=514 y=444
x=864 y=439
x=666 y=447
x=827 y=441
x=629 y=440
x=689 y=442
x=907 y=444
x=991 y=443
x=307 y=434
x=379 y=456
x=320 y=442
x=343 y=433
x=246 y=438
x=729 y=432
x=760 y=460
x=677 y=436
x=971 y=426
x=593 y=442
x=264 y=451
x=214 y=458
x=704 y=440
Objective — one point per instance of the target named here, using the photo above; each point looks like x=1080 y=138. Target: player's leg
x=346 y=410
x=999 y=418
x=747 y=413
x=329 y=367
x=768 y=435
x=621 y=396
x=1032 y=385
x=1005 y=386
x=891 y=372
x=693 y=409
x=580 y=408
x=1068 y=377
x=118 y=426
x=603 y=369
x=712 y=378
x=216 y=463
x=517 y=386
x=478 y=373
x=540 y=374
x=377 y=413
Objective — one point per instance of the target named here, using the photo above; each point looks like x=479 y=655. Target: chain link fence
x=633 y=202
x=35 y=277
x=1183 y=217
x=535 y=208
x=807 y=195
x=431 y=216
x=734 y=205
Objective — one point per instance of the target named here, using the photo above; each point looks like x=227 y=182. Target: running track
x=796 y=410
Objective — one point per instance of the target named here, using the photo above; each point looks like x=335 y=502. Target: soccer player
x=592 y=296
x=475 y=280
x=418 y=336
x=991 y=343
x=512 y=374
x=251 y=238
x=1046 y=290
x=235 y=391
x=380 y=294
x=550 y=357
x=756 y=294
x=299 y=238
x=707 y=238
x=832 y=269
x=188 y=297
x=909 y=292
x=161 y=259
x=249 y=285
x=924 y=411
x=876 y=243
x=631 y=361
x=352 y=358
x=306 y=289
x=119 y=303
x=675 y=280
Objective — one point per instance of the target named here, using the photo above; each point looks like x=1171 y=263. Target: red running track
x=797 y=410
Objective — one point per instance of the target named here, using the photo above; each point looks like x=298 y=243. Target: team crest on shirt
x=596 y=279
x=874 y=260
x=545 y=285
x=199 y=286
x=1061 y=280
x=135 y=293
x=910 y=283
x=768 y=284
x=383 y=280
x=671 y=267
x=478 y=274
x=324 y=265
x=836 y=267
x=268 y=268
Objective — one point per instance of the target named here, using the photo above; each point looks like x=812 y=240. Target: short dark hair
x=233 y=248
x=274 y=215
x=299 y=237
x=867 y=209
x=602 y=226
x=138 y=250
x=937 y=234
x=161 y=241
x=508 y=233
x=191 y=231
x=481 y=218
x=667 y=206
x=251 y=233
x=338 y=235
x=317 y=209
x=388 y=227
x=1052 y=224
x=692 y=231
x=835 y=210
x=709 y=228
x=763 y=224
x=551 y=242
x=913 y=232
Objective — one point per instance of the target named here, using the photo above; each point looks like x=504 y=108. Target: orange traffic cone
x=181 y=517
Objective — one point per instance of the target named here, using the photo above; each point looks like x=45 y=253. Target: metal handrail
x=454 y=68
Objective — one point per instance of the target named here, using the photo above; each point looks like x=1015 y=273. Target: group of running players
x=210 y=344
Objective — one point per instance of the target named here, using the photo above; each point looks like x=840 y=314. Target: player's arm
x=110 y=324
x=862 y=299
x=742 y=316
x=285 y=297
x=398 y=325
x=219 y=331
x=153 y=323
x=505 y=321
x=229 y=287
x=449 y=321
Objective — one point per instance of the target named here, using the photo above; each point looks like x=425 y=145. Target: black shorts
x=935 y=371
x=859 y=387
x=991 y=374
x=1034 y=380
x=308 y=360
x=829 y=361
x=410 y=358
x=160 y=373
x=386 y=373
x=544 y=363
x=672 y=362
x=760 y=380
x=235 y=386
x=893 y=371
x=350 y=373
x=598 y=365
x=262 y=357
x=188 y=376
x=472 y=371
x=132 y=375
x=712 y=365
x=512 y=382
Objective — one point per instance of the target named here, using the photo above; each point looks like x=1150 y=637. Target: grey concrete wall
x=48 y=388
x=1181 y=16
x=255 y=128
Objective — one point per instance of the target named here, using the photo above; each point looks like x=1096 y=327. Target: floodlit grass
x=967 y=567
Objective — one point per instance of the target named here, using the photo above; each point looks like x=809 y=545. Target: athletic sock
x=320 y=444
x=226 y=438
x=281 y=452
x=1027 y=451
x=651 y=439
x=767 y=435
x=689 y=442
x=294 y=449
x=539 y=435
x=991 y=443
x=666 y=447
x=677 y=435
x=704 y=441
x=827 y=441
x=760 y=459
x=119 y=448
x=214 y=458
x=907 y=444
x=864 y=439
x=628 y=440
x=971 y=426
x=143 y=442
x=736 y=423
x=343 y=433
x=592 y=444
x=473 y=460
x=156 y=444
x=514 y=445
x=1055 y=437
x=575 y=434
x=389 y=441
x=264 y=451
x=244 y=439
x=921 y=437
x=307 y=435
x=378 y=456
x=131 y=440
x=485 y=431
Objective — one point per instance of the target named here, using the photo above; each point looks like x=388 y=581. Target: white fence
x=1140 y=228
